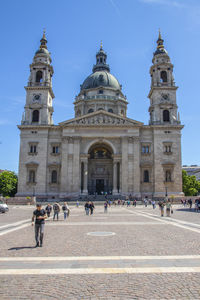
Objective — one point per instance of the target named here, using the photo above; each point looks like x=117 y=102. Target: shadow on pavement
x=186 y=209
x=21 y=248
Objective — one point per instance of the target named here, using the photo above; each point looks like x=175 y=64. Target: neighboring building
x=193 y=170
x=100 y=150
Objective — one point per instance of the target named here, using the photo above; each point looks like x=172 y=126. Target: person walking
x=66 y=210
x=77 y=203
x=91 y=207
x=190 y=203
x=161 y=206
x=39 y=215
x=106 y=207
x=56 y=209
x=168 y=208
x=48 y=210
x=87 y=208
x=153 y=202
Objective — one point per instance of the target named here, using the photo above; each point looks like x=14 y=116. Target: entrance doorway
x=99 y=186
x=100 y=169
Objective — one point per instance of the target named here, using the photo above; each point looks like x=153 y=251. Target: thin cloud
x=116 y=8
x=165 y=2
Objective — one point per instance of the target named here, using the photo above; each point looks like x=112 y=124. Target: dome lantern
x=101 y=57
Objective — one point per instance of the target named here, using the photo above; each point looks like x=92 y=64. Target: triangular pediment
x=101 y=118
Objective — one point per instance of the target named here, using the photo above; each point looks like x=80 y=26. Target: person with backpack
x=91 y=207
x=56 y=209
x=48 y=210
x=65 y=209
x=87 y=208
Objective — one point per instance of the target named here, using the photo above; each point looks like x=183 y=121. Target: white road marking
x=15 y=224
x=100 y=271
x=55 y=223
x=164 y=221
x=14 y=229
x=98 y=258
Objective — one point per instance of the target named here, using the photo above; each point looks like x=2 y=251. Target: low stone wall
x=19 y=200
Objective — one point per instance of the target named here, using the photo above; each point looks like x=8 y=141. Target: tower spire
x=160 y=41
x=43 y=40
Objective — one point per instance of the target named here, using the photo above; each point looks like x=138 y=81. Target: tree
x=191 y=186
x=8 y=183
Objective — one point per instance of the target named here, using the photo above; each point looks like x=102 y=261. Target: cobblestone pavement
x=147 y=257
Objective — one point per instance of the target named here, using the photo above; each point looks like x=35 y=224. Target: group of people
x=189 y=202
x=168 y=205
x=89 y=208
x=56 y=210
x=40 y=214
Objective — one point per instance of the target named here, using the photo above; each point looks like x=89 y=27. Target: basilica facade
x=101 y=150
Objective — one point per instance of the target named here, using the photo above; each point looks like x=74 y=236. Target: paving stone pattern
x=64 y=240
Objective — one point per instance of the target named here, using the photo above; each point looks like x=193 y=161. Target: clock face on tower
x=36 y=98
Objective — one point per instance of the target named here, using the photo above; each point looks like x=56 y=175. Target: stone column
x=64 y=167
x=136 y=166
x=115 y=191
x=76 y=165
x=85 y=182
x=124 y=165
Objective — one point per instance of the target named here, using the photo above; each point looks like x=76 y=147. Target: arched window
x=100 y=108
x=32 y=176
x=54 y=176
x=35 y=116
x=168 y=176
x=39 y=76
x=165 y=115
x=90 y=111
x=146 y=176
x=110 y=110
x=163 y=76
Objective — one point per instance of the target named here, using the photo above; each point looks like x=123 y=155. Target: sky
x=74 y=28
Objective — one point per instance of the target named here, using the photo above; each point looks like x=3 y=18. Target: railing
x=106 y=97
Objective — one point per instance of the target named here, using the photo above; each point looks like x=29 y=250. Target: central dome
x=101 y=78
x=101 y=74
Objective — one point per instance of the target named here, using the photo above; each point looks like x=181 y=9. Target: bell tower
x=162 y=95
x=39 y=93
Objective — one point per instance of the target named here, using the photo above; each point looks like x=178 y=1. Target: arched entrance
x=100 y=169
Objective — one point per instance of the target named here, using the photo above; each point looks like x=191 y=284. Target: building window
x=54 y=176
x=163 y=76
x=33 y=148
x=100 y=91
x=32 y=176
x=90 y=111
x=35 y=116
x=39 y=76
x=100 y=108
x=55 y=149
x=122 y=112
x=145 y=149
x=146 y=176
x=165 y=115
x=167 y=148
x=168 y=176
x=110 y=110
